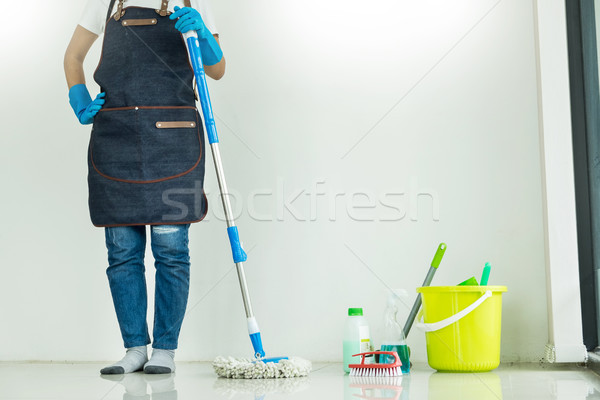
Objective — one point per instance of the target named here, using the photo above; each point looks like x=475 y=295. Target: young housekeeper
x=145 y=157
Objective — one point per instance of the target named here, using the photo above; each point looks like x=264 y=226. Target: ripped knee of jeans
x=165 y=229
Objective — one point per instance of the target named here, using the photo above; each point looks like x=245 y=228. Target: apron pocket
x=128 y=145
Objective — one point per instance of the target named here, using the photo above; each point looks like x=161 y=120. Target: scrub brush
x=376 y=369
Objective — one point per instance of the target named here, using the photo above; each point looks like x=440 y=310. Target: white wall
x=429 y=97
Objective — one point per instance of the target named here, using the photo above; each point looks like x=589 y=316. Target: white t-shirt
x=94 y=14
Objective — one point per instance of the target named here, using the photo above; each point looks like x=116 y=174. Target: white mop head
x=245 y=368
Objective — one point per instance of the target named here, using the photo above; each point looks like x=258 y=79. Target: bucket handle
x=436 y=326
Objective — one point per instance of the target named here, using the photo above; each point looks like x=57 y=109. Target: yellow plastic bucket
x=462 y=325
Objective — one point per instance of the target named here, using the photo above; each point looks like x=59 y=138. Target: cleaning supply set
x=259 y=367
x=394 y=350
x=467 y=340
x=395 y=336
x=357 y=343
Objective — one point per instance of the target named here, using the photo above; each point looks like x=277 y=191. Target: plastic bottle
x=393 y=339
x=357 y=338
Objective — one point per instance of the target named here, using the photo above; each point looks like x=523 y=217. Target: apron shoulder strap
x=120 y=12
x=164 y=4
x=110 y=8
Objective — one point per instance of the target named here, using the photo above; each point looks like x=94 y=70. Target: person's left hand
x=189 y=18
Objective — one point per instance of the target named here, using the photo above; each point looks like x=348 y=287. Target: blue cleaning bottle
x=393 y=339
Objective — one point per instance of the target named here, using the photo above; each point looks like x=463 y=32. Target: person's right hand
x=85 y=109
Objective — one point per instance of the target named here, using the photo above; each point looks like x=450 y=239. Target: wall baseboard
x=566 y=353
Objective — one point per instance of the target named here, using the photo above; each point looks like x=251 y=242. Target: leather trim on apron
x=175 y=124
x=186 y=3
x=139 y=22
x=163 y=8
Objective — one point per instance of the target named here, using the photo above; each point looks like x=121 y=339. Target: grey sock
x=161 y=362
x=134 y=360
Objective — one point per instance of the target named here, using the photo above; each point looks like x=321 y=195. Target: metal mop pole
x=239 y=256
x=435 y=263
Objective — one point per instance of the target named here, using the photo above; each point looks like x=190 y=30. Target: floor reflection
x=259 y=389
x=465 y=386
x=573 y=389
x=329 y=382
x=140 y=386
x=441 y=386
x=363 y=387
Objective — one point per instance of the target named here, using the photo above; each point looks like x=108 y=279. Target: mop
x=259 y=367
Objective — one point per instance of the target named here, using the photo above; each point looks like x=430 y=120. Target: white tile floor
x=197 y=381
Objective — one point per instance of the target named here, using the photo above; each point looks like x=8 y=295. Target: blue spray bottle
x=393 y=339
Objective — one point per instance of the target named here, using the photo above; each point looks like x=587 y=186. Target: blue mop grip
x=257 y=344
x=196 y=58
x=239 y=255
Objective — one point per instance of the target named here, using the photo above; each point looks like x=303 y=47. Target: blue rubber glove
x=189 y=18
x=81 y=102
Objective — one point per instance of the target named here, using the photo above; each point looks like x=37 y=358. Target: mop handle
x=417 y=303
x=191 y=37
x=239 y=256
x=435 y=263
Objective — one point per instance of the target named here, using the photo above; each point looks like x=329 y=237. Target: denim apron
x=145 y=156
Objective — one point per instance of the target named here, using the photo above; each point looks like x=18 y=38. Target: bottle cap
x=355 y=312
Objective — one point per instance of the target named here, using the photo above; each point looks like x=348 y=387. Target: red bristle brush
x=376 y=369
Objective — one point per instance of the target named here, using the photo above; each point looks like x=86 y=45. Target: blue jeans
x=126 y=247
